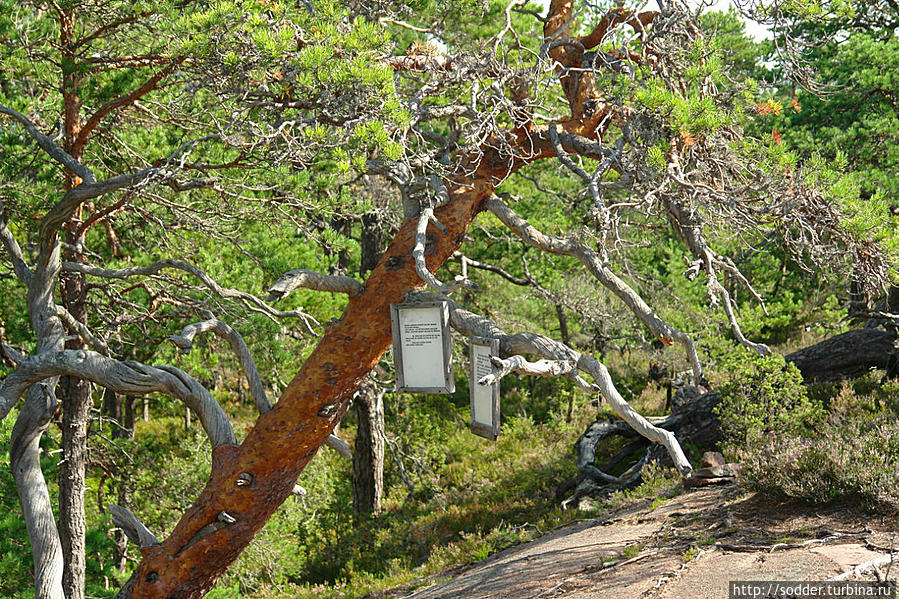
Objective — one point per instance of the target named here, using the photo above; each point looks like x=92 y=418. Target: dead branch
x=688 y=226
x=418 y=253
x=465 y=261
x=134 y=529
x=79 y=328
x=540 y=368
x=129 y=377
x=473 y=325
x=20 y=267
x=49 y=146
x=184 y=341
x=570 y=247
x=302 y=278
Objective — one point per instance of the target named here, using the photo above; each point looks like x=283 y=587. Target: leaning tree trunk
x=368 y=450
x=283 y=441
x=126 y=430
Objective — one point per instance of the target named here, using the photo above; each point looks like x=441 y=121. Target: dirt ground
x=689 y=546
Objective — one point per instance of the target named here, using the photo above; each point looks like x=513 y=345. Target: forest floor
x=690 y=545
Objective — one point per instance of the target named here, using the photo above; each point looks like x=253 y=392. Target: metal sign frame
x=442 y=317
x=488 y=430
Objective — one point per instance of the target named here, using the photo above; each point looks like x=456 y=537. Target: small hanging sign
x=484 y=398
x=421 y=347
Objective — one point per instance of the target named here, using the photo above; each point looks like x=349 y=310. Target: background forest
x=184 y=90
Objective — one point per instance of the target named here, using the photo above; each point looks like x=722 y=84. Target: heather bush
x=855 y=461
x=791 y=447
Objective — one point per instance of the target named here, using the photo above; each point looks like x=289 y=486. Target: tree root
x=692 y=421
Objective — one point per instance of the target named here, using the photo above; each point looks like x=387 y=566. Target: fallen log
x=847 y=355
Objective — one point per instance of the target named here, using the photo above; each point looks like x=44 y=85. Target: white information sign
x=484 y=398
x=421 y=347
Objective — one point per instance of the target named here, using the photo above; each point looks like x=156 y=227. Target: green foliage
x=761 y=397
x=851 y=129
x=324 y=70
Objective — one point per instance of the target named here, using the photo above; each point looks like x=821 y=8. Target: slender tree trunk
x=112 y=410
x=372 y=241
x=368 y=451
x=563 y=325
x=75 y=396
x=76 y=405
x=126 y=430
x=120 y=551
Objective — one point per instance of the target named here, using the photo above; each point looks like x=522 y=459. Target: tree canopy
x=167 y=163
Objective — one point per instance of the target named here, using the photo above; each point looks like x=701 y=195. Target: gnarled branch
x=539 y=368
x=184 y=341
x=248 y=299
x=80 y=329
x=421 y=266
x=129 y=377
x=687 y=224
x=49 y=146
x=20 y=267
x=473 y=325
x=134 y=529
x=302 y=278
x=569 y=247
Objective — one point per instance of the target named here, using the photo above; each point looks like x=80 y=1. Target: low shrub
x=856 y=461
x=791 y=447
x=761 y=397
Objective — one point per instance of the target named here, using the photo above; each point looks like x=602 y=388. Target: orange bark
x=285 y=439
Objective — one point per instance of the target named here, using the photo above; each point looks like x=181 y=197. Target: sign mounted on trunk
x=421 y=347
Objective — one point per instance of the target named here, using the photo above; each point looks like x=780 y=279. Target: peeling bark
x=284 y=439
